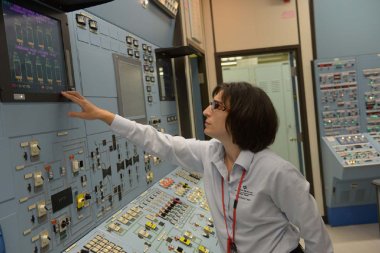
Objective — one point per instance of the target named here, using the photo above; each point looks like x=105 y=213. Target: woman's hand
x=89 y=110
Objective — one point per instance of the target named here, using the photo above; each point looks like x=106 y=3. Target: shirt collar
x=244 y=159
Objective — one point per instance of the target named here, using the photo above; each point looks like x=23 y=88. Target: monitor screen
x=35 y=52
x=130 y=88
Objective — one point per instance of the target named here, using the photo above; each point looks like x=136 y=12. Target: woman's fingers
x=89 y=110
x=75 y=114
x=74 y=96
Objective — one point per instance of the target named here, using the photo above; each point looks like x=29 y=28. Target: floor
x=355 y=239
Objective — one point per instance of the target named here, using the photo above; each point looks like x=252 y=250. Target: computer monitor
x=130 y=88
x=34 y=53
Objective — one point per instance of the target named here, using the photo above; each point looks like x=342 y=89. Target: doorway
x=275 y=74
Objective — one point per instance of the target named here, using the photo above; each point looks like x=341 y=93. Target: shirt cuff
x=122 y=125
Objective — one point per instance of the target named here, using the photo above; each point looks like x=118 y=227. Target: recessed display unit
x=130 y=88
x=34 y=53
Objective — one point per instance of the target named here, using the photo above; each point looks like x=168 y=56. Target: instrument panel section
x=369 y=81
x=70 y=177
x=116 y=172
x=109 y=54
x=52 y=196
x=337 y=92
x=171 y=216
x=372 y=99
x=170 y=7
x=348 y=105
x=348 y=100
x=354 y=150
x=65 y=177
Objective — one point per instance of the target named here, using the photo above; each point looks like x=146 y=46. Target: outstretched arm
x=89 y=110
x=177 y=150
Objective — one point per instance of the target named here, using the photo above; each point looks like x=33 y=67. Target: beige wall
x=307 y=57
x=254 y=24
x=247 y=24
x=209 y=45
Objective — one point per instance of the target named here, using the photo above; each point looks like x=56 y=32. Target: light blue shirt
x=274 y=209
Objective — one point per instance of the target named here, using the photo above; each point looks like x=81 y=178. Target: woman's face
x=215 y=123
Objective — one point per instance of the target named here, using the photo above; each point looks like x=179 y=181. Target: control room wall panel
x=59 y=176
x=154 y=25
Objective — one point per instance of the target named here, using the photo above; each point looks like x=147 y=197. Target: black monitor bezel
x=7 y=94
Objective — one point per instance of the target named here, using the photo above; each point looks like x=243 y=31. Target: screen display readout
x=35 y=50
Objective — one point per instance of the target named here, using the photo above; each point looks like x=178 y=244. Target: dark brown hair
x=252 y=120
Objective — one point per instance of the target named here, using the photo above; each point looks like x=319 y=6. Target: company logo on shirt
x=245 y=193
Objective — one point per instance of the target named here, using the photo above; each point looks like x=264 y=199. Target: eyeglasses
x=216 y=105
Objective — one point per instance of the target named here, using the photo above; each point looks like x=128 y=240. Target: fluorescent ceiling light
x=228 y=63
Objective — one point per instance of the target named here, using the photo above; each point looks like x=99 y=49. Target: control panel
x=63 y=177
x=171 y=216
x=348 y=106
x=354 y=150
x=350 y=164
x=338 y=97
x=348 y=94
x=170 y=7
x=372 y=98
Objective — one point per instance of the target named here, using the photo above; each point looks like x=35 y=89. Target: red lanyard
x=231 y=241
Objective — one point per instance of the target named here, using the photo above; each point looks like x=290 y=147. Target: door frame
x=301 y=92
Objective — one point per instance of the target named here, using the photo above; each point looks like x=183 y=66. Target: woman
x=259 y=202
